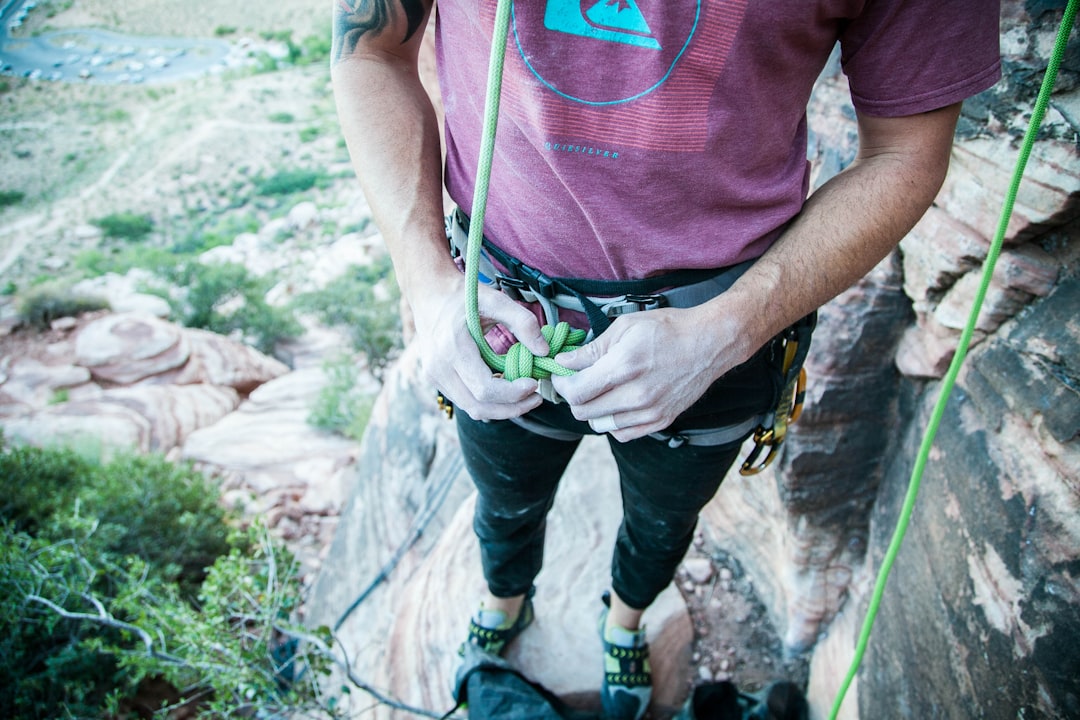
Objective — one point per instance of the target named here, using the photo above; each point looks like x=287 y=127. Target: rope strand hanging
x=518 y=362
x=961 y=353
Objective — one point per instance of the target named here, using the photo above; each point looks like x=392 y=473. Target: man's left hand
x=644 y=371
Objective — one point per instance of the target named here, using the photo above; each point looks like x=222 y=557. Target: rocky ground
x=733 y=636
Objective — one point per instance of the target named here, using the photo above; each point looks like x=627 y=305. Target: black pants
x=517 y=472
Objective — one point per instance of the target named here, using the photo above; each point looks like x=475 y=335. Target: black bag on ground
x=493 y=690
x=723 y=701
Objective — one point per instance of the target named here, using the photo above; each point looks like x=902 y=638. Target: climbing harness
x=953 y=372
x=599 y=300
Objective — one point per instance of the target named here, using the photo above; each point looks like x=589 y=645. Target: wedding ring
x=604 y=423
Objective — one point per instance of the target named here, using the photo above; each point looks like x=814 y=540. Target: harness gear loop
x=770 y=435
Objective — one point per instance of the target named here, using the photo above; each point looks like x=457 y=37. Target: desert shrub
x=287 y=182
x=160 y=261
x=282 y=117
x=125 y=225
x=35 y=484
x=354 y=301
x=341 y=406
x=47 y=302
x=11 y=197
x=90 y=610
x=315 y=48
x=164 y=514
x=215 y=231
x=309 y=134
x=223 y=30
x=224 y=297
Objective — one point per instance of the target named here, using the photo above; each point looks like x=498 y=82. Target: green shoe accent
x=495 y=640
x=627 y=684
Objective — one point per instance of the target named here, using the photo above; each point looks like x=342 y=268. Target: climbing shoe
x=492 y=630
x=627 y=685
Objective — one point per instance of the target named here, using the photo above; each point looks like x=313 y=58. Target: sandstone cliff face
x=983 y=597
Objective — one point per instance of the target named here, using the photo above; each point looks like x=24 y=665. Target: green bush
x=340 y=407
x=90 y=608
x=309 y=134
x=351 y=302
x=45 y=303
x=125 y=226
x=11 y=197
x=218 y=230
x=35 y=485
x=160 y=261
x=224 y=298
x=223 y=30
x=282 y=117
x=165 y=514
x=315 y=48
x=287 y=182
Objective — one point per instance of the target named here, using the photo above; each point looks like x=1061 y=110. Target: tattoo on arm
x=355 y=18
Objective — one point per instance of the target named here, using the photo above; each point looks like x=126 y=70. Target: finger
x=588 y=390
x=604 y=423
x=636 y=424
x=586 y=355
x=495 y=399
x=519 y=321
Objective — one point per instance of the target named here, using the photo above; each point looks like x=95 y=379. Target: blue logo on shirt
x=641 y=42
x=617 y=21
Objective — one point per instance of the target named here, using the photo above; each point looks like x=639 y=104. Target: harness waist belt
x=592 y=296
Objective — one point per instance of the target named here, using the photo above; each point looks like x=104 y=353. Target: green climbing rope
x=518 y=362
x=961 y=352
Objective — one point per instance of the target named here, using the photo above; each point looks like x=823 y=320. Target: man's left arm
x=650 y=367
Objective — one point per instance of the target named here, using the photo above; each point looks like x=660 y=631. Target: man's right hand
x=452 y=361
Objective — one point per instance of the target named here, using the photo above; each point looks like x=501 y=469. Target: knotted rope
x=519 y=361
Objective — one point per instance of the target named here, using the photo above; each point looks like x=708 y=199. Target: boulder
x=217 y=360
x=31 y=383
x=276 y=464
x=142 y=419
x=302 y=216
x=937 y=251
x=980 y=174
x=800 y=530
x=125 y=348
x=1019 y=275
x=124 y=292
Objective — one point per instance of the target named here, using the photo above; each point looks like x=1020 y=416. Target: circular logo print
x=604 y=52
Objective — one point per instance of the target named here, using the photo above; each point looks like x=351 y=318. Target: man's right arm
x=392 y=134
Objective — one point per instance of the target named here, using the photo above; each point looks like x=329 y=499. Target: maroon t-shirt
x=642 y=136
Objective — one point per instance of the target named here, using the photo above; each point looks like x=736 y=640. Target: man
x=641 y=139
